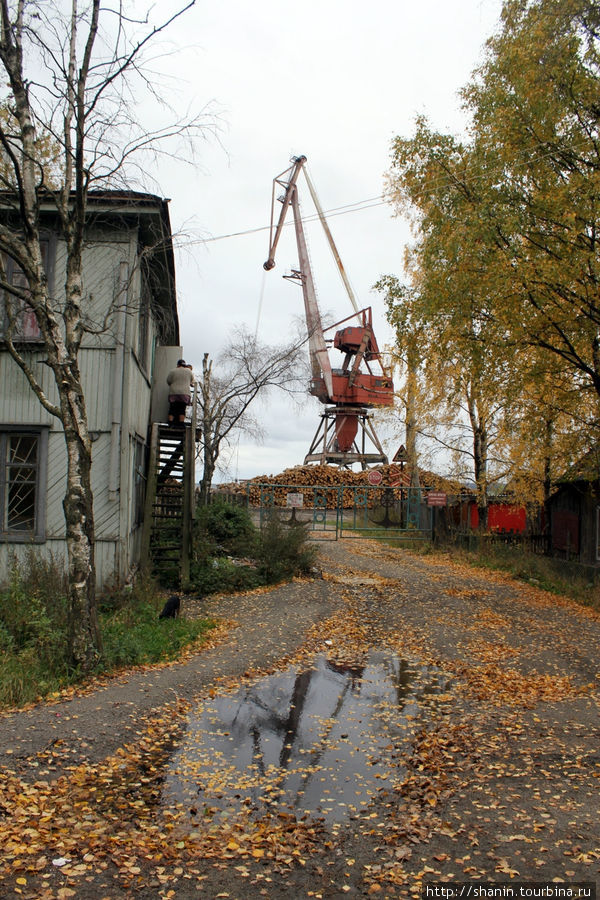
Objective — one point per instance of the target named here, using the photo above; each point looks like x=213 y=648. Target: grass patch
x=557 y=576
x=34 y=647
x=133 y=635
x=554 y=575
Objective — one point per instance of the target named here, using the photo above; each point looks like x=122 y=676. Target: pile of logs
x=303 y=480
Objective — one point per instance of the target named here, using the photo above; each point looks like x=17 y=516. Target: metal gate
x=400 y=514
x=314 y=506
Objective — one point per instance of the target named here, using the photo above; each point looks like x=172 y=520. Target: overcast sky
x=334 y=80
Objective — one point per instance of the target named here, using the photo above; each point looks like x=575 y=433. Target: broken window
x=22 y=459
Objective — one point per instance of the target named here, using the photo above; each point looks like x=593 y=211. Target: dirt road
x=400 y=723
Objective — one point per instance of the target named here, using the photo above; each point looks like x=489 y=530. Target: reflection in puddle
x=315 y=741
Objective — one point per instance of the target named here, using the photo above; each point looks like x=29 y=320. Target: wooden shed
x=575 y=512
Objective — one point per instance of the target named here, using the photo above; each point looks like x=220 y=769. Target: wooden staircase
x=170 y=503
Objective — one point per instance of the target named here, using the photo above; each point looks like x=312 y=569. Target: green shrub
x=283 y=550
x=34 y=631
x=224 y=529
x=278 y=550
x=33 y=610
x=34 y=640
x=221 y=575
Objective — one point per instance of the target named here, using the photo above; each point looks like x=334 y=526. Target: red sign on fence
x=437 y=498
x=374 y=477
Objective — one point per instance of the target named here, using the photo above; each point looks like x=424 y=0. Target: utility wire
x=357 y=206
x=370 y=202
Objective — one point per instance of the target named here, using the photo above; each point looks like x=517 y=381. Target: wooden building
x=575 y=512
x=129 y=279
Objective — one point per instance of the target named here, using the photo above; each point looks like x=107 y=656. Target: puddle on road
x=317 y=741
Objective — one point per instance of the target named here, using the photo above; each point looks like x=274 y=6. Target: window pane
x=25 y=326
x=21 y=503
x=23 y=449
x=21 y=482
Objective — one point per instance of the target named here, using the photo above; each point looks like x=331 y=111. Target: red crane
x=348 y=391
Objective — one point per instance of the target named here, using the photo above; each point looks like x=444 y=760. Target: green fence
x=349 y=511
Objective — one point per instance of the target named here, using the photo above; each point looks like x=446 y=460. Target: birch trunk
x=480 y=453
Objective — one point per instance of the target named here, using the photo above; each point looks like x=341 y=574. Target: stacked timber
x=328 y=480
x=306 y=480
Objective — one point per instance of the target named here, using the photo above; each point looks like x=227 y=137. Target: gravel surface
x=499 y=783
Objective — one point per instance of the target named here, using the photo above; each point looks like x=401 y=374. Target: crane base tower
x=366 y=449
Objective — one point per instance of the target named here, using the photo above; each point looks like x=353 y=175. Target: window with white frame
x=23 y=457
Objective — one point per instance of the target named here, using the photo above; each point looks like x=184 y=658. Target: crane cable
x=330 y=240
x=260 y=303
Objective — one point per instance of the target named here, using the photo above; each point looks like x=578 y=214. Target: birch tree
x=506 y=252
x=70 y=71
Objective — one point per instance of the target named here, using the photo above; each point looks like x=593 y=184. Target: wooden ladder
x=170 y=503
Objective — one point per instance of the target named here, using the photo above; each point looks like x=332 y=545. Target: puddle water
x=319 y=741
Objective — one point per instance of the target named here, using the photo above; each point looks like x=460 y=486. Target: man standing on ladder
x=180 y=381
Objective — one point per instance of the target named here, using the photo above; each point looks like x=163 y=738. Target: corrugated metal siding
x=107 y=568
x=101 y=267
x=106 y=511
x=57 y=473
x=137 y=401
x=105 y=558
x=97 y=368
x=118 y=541
x=18 y=404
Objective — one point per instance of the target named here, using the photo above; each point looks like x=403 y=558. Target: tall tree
x=505 y=258
x=445 y=327
x=408 y=353
x=536 y=119
x=69 y=69
x=246 y=370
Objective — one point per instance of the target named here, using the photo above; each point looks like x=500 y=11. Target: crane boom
x=319 y=357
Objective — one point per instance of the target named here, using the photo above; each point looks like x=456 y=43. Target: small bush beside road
x=232 y=554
